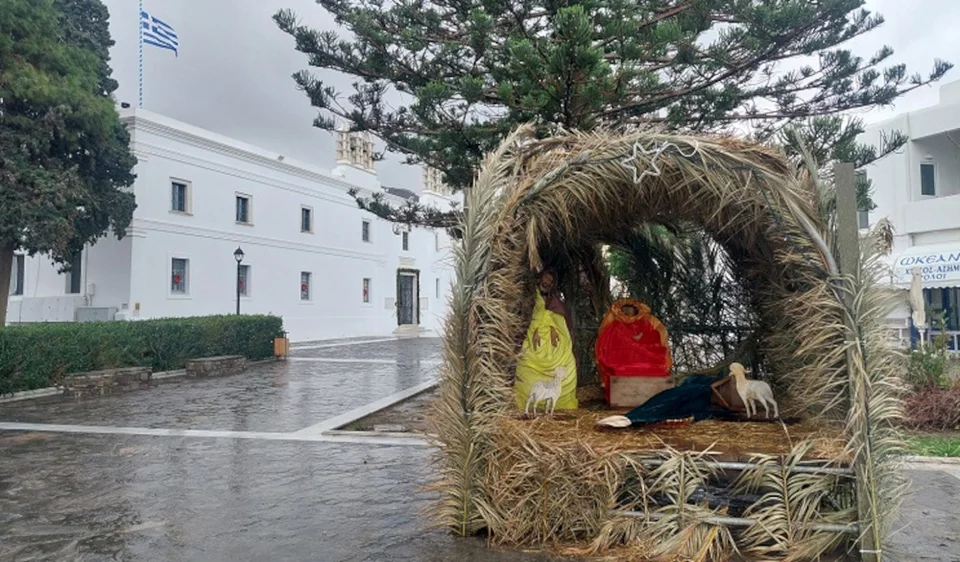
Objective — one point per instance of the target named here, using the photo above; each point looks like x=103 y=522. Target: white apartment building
x=918 y=190
x=310 y=255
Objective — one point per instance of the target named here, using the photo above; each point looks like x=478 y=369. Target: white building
x=311 y=255
x=918 y=190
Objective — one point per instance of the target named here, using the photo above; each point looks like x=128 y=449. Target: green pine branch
x=443 y=81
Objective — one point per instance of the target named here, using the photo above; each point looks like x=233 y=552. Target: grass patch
x=934 y=444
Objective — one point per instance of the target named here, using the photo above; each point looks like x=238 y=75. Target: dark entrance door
x=408 y=312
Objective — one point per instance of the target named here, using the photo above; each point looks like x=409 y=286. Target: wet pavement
x=139 y=497
x=273 y=397
x=89 y=497
x=928 y=529
x=404 y=352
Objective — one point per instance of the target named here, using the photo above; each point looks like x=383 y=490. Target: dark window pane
x=16 y=279
x=179 y=197
x=304 y=286
x=243 y=209
x=178 y=277
x=928 y=179
x=305 y=220
x=953 y=320
x=75 y=273
x=244 y=279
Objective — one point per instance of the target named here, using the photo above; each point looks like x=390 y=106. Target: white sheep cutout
x=751 y=392
x=542 y=391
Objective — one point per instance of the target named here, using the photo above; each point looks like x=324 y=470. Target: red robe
x=619 y=354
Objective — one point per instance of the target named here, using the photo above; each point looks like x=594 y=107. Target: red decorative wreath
x=177 y=278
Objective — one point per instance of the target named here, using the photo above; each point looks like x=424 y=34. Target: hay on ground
x=731 y=441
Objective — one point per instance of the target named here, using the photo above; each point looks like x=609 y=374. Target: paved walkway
x=240 y=469
x=234 y=469
x=928 y=529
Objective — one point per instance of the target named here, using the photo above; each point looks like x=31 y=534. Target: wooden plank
x=848 y=236
x=848 y=246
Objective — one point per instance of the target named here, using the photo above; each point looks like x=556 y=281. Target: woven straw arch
x=536 y=198
x=582 y=189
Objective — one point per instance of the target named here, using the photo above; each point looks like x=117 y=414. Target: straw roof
x=537 y=198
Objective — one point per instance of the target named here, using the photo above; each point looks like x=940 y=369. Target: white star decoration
x=654 y=152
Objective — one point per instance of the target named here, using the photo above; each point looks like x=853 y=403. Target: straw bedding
x=734 y=441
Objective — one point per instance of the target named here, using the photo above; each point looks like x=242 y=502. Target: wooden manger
x=707 y=490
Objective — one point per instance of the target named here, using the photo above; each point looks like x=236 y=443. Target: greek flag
x=158 y=33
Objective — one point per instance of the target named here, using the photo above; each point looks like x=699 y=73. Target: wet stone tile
x=282 y=396
x=81 y=497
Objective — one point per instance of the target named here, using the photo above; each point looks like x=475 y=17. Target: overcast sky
x=232 y=75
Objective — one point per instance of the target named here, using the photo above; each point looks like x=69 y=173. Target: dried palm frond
x=466 y=400
x=876 y=372
x=874 y=375
x=678 y=528
x=819 y=339
x=791 y=504
x=883 y=232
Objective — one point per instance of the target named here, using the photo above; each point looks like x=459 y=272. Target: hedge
x=40 y=355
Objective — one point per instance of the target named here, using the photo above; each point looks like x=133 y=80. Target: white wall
x=134 y=274
x=945 y=156
x=890 y=175
x=919 y=219
x=276 y=250
x=106 y=271
x=45 y=297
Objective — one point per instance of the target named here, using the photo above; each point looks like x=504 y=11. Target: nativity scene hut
x=669 y=493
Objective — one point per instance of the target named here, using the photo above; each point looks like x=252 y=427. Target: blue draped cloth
x=691 y=398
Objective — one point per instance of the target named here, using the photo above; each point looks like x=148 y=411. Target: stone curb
x=32 y=394
x=930 y=460
x=368 y=434
x=58 y=390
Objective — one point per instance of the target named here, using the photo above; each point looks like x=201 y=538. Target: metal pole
x=799 y=469
x=238 y=288
x=851 y=528
x=140 y=29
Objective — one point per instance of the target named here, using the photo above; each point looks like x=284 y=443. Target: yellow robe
x=540 y=363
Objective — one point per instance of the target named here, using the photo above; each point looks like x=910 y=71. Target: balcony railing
x=901 y=339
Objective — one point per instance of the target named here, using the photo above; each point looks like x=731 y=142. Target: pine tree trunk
x=6 y=268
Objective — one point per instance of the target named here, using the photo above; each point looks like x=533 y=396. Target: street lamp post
x=238 y=255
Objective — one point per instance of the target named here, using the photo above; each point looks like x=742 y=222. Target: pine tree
x=64 y=153
x=442 y=81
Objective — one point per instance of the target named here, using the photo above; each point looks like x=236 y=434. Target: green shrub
x=40 y=355
x=928 y=364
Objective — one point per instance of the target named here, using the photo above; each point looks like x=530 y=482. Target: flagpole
x=140 y=27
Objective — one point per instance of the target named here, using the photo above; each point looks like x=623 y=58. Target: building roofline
x=157 y=124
